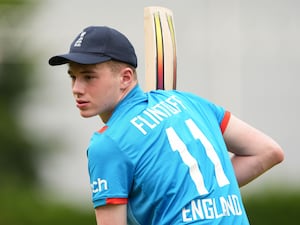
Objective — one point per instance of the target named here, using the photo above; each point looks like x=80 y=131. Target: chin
x=87 y=114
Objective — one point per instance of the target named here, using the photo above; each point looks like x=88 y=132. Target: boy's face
x=96 y=88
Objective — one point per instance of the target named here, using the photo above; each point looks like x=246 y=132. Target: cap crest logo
x=80 y=39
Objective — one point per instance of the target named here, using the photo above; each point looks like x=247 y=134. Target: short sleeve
x=110 y=171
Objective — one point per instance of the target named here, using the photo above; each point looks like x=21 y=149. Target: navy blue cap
x=97 y=44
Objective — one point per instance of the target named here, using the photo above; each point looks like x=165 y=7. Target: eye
x=71 y=75
x=73 y=78
x=89 y=77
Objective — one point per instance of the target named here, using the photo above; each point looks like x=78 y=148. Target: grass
x=273 y=207
x=27 y=207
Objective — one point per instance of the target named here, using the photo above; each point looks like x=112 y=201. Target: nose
x=77 y=87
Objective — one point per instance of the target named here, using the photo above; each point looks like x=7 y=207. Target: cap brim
x=81 y=58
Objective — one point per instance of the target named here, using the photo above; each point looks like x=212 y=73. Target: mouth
x=81 y=104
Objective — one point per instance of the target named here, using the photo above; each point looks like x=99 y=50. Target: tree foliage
x=17 y=150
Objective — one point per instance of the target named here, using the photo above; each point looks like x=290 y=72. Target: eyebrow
x=82 y=72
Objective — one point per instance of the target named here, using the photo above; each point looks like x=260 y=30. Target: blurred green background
x=21 y=199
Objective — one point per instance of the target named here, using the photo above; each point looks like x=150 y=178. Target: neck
x=106 y=115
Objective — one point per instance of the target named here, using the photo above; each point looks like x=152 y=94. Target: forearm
x=247 y=168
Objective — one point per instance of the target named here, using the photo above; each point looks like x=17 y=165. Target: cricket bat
x=160 y=49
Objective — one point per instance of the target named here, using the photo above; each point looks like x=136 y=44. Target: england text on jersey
x=212 y=208
x=154 y=115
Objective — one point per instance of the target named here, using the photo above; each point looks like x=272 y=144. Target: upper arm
x=253 y=151
x=243 y=139
x=111 y=214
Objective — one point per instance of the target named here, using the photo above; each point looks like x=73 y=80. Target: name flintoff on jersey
x=154 y=115
x=212 y=208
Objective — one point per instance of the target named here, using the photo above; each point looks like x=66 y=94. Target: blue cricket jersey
x=162 y=153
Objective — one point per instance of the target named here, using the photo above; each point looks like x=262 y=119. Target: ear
x=126 y=77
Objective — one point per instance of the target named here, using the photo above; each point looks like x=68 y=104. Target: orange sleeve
x=116 y=201
x=225 y=121
x=102 y=129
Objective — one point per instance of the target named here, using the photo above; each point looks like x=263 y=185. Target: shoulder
x=101 y=144
x=200 y=104
x=181 y=94
x=111 y=141
x=187 y=97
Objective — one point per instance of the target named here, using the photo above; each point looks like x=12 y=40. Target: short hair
x=118 y=65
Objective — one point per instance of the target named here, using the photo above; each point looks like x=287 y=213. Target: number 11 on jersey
x=178 y=145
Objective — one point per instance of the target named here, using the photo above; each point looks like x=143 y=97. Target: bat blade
x=160 y=49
